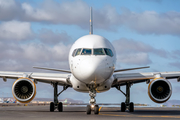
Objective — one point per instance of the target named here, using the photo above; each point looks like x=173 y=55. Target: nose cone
x=94 y=69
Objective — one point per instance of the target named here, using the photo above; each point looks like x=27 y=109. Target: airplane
x=10 y=100
x=65 y=101
x=92 y=62
x=1 y=100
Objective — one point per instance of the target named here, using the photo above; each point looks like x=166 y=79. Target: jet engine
x=24 y=90
x=159 y=90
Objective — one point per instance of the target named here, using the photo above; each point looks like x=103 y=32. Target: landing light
x=92 y=107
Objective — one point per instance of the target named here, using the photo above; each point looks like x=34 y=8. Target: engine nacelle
x=24 y=90
x=159 y=90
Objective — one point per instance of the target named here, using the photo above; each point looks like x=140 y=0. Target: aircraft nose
x=93 y=69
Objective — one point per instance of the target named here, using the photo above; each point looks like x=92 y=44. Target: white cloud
x=9 y=9
x=134 y=52
x=52 y=38
x=139 y=58
x=44 y=53
x=40 y=51
x=53 y=12
x=35 y=14
x=21 y=57
x=77 y=13
x=15 y=30
x=151 y=22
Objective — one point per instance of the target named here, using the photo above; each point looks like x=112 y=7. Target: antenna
x=91 y=22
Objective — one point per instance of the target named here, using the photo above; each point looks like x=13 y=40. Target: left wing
x=61 y=79
x=122 y=78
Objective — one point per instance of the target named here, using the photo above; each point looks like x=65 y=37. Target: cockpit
x=95 y=51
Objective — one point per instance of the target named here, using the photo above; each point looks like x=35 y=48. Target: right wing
x=122 y=78
x=61 y=79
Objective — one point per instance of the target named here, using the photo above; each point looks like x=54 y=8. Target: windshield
x=73 y=54
x=99 y=51
x=78 y=51
x=96 y=51
x=86 y=52
x=108 y=52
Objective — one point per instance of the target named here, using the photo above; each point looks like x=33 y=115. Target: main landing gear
x=57 y=105
x=127 y=104
x=92 y=101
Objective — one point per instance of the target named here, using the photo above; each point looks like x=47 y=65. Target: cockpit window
x=99 y=51
x=86 y=52
x=78 y=51
x=73 y=54
x=108 y=52
x=96 y=51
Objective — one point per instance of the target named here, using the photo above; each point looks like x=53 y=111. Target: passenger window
x=99 y=51
x=108 y=52
x=78 y=51
x=86 y=52
x=73 y=54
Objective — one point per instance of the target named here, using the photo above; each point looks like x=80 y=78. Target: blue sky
x=41 y=32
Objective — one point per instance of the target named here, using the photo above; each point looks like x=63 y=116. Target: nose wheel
x=92 y=101
x=95 y=109
x=88 y=109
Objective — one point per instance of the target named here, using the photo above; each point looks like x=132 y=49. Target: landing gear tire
x=88 y=110
x=60 y=107
x=96 y=109
x=123 y=107
x=51 y=107
x=131 y=107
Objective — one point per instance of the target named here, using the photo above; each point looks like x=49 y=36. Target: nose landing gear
x=92 y=102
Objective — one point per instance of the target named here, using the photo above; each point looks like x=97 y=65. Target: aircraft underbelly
x=83 y=87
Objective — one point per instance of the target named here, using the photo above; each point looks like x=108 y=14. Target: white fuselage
x=92 y=60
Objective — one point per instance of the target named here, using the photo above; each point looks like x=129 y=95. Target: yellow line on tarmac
x=100 y=108
x=112 y=115
x=145 y=116
x=161 y=116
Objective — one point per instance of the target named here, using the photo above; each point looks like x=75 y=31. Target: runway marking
x=112 y=115
x=100 y=108
x=141 y=116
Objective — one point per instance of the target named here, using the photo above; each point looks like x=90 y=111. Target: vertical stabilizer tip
x=91 y=22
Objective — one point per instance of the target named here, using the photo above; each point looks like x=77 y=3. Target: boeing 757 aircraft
x=92 y=62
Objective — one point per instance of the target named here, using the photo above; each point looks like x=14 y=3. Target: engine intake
x=24 y=90
x=159 y=90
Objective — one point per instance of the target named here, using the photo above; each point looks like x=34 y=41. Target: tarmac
x=76 y=113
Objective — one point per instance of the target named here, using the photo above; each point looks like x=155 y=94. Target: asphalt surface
x=77 y=113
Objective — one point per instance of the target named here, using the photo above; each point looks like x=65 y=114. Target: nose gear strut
x=92 y=102
x=92 y=94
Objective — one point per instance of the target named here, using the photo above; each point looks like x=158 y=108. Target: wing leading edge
x=61 y=79
x=121 y=78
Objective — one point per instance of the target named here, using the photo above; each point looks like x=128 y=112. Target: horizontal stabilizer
x=120 y=70
x=52 y=69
